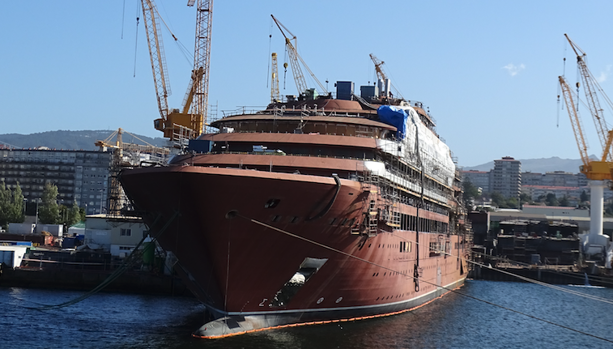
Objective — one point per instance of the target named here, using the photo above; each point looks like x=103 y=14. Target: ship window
x=332 y=221
x=272 y=203
x=307 y=268
x=294 y=219
x=276 y=218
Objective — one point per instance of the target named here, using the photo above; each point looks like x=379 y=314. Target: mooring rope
x=129 y=261
x=234 y=213
x=527 y=279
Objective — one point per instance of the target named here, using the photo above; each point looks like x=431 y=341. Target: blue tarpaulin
x=394 y=116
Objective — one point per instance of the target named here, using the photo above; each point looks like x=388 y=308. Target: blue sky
x=487 y=70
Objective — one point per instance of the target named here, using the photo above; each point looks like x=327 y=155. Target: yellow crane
x=592 y=88
x=593 y=169
x=125 y=155
x=378 y=67
x=598 y=172
x=383 y=76
x=295 y=61
x=275 y=96
x=188 y=122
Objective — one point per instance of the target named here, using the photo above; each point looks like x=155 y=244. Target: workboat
x=313 y=210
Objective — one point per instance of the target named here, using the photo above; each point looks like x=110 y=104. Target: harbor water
x=110 y=320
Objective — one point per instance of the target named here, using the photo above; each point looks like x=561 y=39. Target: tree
x=470 y=191
x=17 y=206
x=564 y=201
x=499 y=200
x=49 y=212
x=74 y=215
x=551 y=200
x=524 y=199
x=584 y=197
x=5 y=196
x=82 y=214
x=11 y=205
x=511 y=203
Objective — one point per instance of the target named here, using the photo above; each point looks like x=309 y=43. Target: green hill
x=70 y=140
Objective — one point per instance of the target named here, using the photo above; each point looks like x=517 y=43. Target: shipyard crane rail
x=592 y=88
x=296 y=59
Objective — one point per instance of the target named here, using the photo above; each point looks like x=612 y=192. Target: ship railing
x=244 y=110
x=287 y=132
x=254 y=110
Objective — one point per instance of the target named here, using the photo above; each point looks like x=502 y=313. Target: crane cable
x=136 y=36
x=184 y=50
x=269 y=49
x=123 y=15
x=233 y=214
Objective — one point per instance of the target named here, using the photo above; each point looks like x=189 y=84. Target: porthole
x=272 y=203
x=339 y=299
x=320 y=300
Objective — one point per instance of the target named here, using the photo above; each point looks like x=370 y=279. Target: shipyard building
x=79 y=175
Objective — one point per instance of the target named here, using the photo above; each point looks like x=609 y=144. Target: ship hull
x=265 y=249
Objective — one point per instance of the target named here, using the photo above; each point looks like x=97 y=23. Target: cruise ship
x=313 y=210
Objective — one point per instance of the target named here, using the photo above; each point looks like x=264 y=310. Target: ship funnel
x=384 y=87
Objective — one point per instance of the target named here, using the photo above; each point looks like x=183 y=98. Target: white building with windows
x=80 y=175
x=117 y=235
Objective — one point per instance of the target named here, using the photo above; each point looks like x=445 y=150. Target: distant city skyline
x=487 y=71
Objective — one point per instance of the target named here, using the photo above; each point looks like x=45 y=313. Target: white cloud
x=604 y=74
x=514 y=69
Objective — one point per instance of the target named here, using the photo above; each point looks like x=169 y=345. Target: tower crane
x=295 y=61
x=275 y=96
x=383 y=76
x=591 y=88
x=202 y=59
x=190 y=120
x=378 y=67
x=125 y=155
x=598 y=172
x=158 y=61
